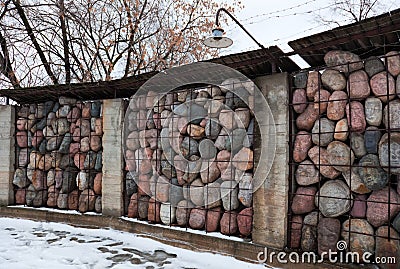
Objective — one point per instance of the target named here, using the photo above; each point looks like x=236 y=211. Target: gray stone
x=20 y=179
x=306 y=173
x=360 y=235
x=175 y=192
x=340 y=156
x=63 y=111
x=334 y=198
x=197 y=192
x=394 y=153
x=371 y=137
x=373 y=65
x=245 y=195
x=353 y=179
x=189 y=147
x=167 y=213
x=97 y=205
x=54 y=143
x=322 y=132
x=373 y=111
x=95 y=109
x=229 y=195
x=372 y=175
x=207 y=149
x=63 y=100
x=391 y=115
x=212 y=195
x=234 y=141
x=62 y=200
x=308 y=238
x=333 y=80
x=343 y=61
x=90 y=160
x=396 y=223
x=51 y=176
x=300 y=80
x=328 y=234
x=64 y=147
x=68 y=180
x=82 y=180
x=358 y=145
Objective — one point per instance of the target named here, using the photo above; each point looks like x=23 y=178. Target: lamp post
x=217 y=40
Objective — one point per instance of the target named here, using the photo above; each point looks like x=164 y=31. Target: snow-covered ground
x=30 y=244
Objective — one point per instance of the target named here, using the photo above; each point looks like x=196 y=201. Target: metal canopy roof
x=374 y=36
x=251 y=63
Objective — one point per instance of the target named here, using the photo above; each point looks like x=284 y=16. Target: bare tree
x=347 y=11
x=65 y=41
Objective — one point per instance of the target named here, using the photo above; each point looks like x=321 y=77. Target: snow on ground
x=30 y=244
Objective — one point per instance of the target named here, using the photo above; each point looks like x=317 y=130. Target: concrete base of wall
x=182 y=239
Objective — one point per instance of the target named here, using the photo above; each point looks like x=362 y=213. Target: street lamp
x=217 y=40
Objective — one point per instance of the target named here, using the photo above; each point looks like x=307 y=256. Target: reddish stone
x=97 y=183
x=197 y=218
x=243 y=160
x=245 y=221
x=74 y=114
x=183 y=210
x=76 y=135
x=143 y=207
x=343 y=61
x=341 y=130
x=145 y=167
x=79 y=159
x=321 y=99
x=379 y=85
x=209 y=171
x=98 y=126
x=153 y=213
x=337 y=105
x=39 y=180
x=22 y=124
x=37 y=138
x=393 y=62
x=223 y=158
x=73 y=200
x=305 y=121
x=228 y=223
x=162 y=189
x=52 y=196
x=86 y=110
x=313 y=84
x=303 y=200
x=87 y=200
x=302 y=144
x=133 y=206
x=385 y=247
x=328 y=234
x=84 y=144
x=73 y=148
x=22 y=139
x=299 y=100
x=141 y=120
x=84 y=126
x=358 y=85
x=359 y=209
x=95 y=142
x=295 y=231
x=213 y=219
x=130 y=160
x=356 y=118
x=144 y=185
x=377 y=206
x=319 y=156
x=20 y=196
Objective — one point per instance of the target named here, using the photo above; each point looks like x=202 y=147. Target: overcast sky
x=278 y=22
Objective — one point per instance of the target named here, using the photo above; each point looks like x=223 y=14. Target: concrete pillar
x=270 y=201
x=7 y=154
x=113 y=160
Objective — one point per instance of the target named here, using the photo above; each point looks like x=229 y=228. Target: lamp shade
x=217 y=40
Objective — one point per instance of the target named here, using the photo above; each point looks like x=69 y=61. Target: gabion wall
x=59 y=155
x=189 y=159
x=346 y=155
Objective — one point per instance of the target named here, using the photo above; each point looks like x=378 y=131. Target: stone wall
x=346 y=158
x=189 y=159
x=59 y=155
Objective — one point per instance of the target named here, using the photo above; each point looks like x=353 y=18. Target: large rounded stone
x=385 y=247
x=68 y=180
x=54 y=143
x=371 y=137
x=20 y=179
x=322 y=132
x=212 y=128
x=236 y=140
x=353 y=179
x=305 y=121
x=391 y=115
x=197 y=192
x=52 y=196
x=307 y=174
x=245 y=194
x=213 y=219
x=343 y=61
x=23 y=158
x=212 y=195
x=62 y=200
x=143 y=207
x=383 y=86
x=328 y=234
x=82 y=180
x=360 y=235
x=245 y=221
x=45 y=162
x=321 y=99
x=313 y=84
x=299 y=100
x=153 y=212
x=319 y=156
x=183 y=212
x=372 y=175
x=243 y=160
x=20 y=197
x=228 y=223
x=207 y=149
x=356 y=117
x=37 y=138
x=167 y=213
x=378 y=206
x=373 y=65
x=303 y=200
x=341 y=130
x=333 y=80
x=393 y=62
x=340 y=156
x=223 y=159
x=334 y=198
x=132 y=141
x=162 y=189
x=308 y=238
x=373 y=111
x=357 y=144
x=133 y=206
x=358 y=85
x=229 y=195
x=393 y=154
x=197 y=218
x=22 y=139
x=189 y=147
x=209 y=171
x=87 y=201
x=300 y=79
x=302 y=144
